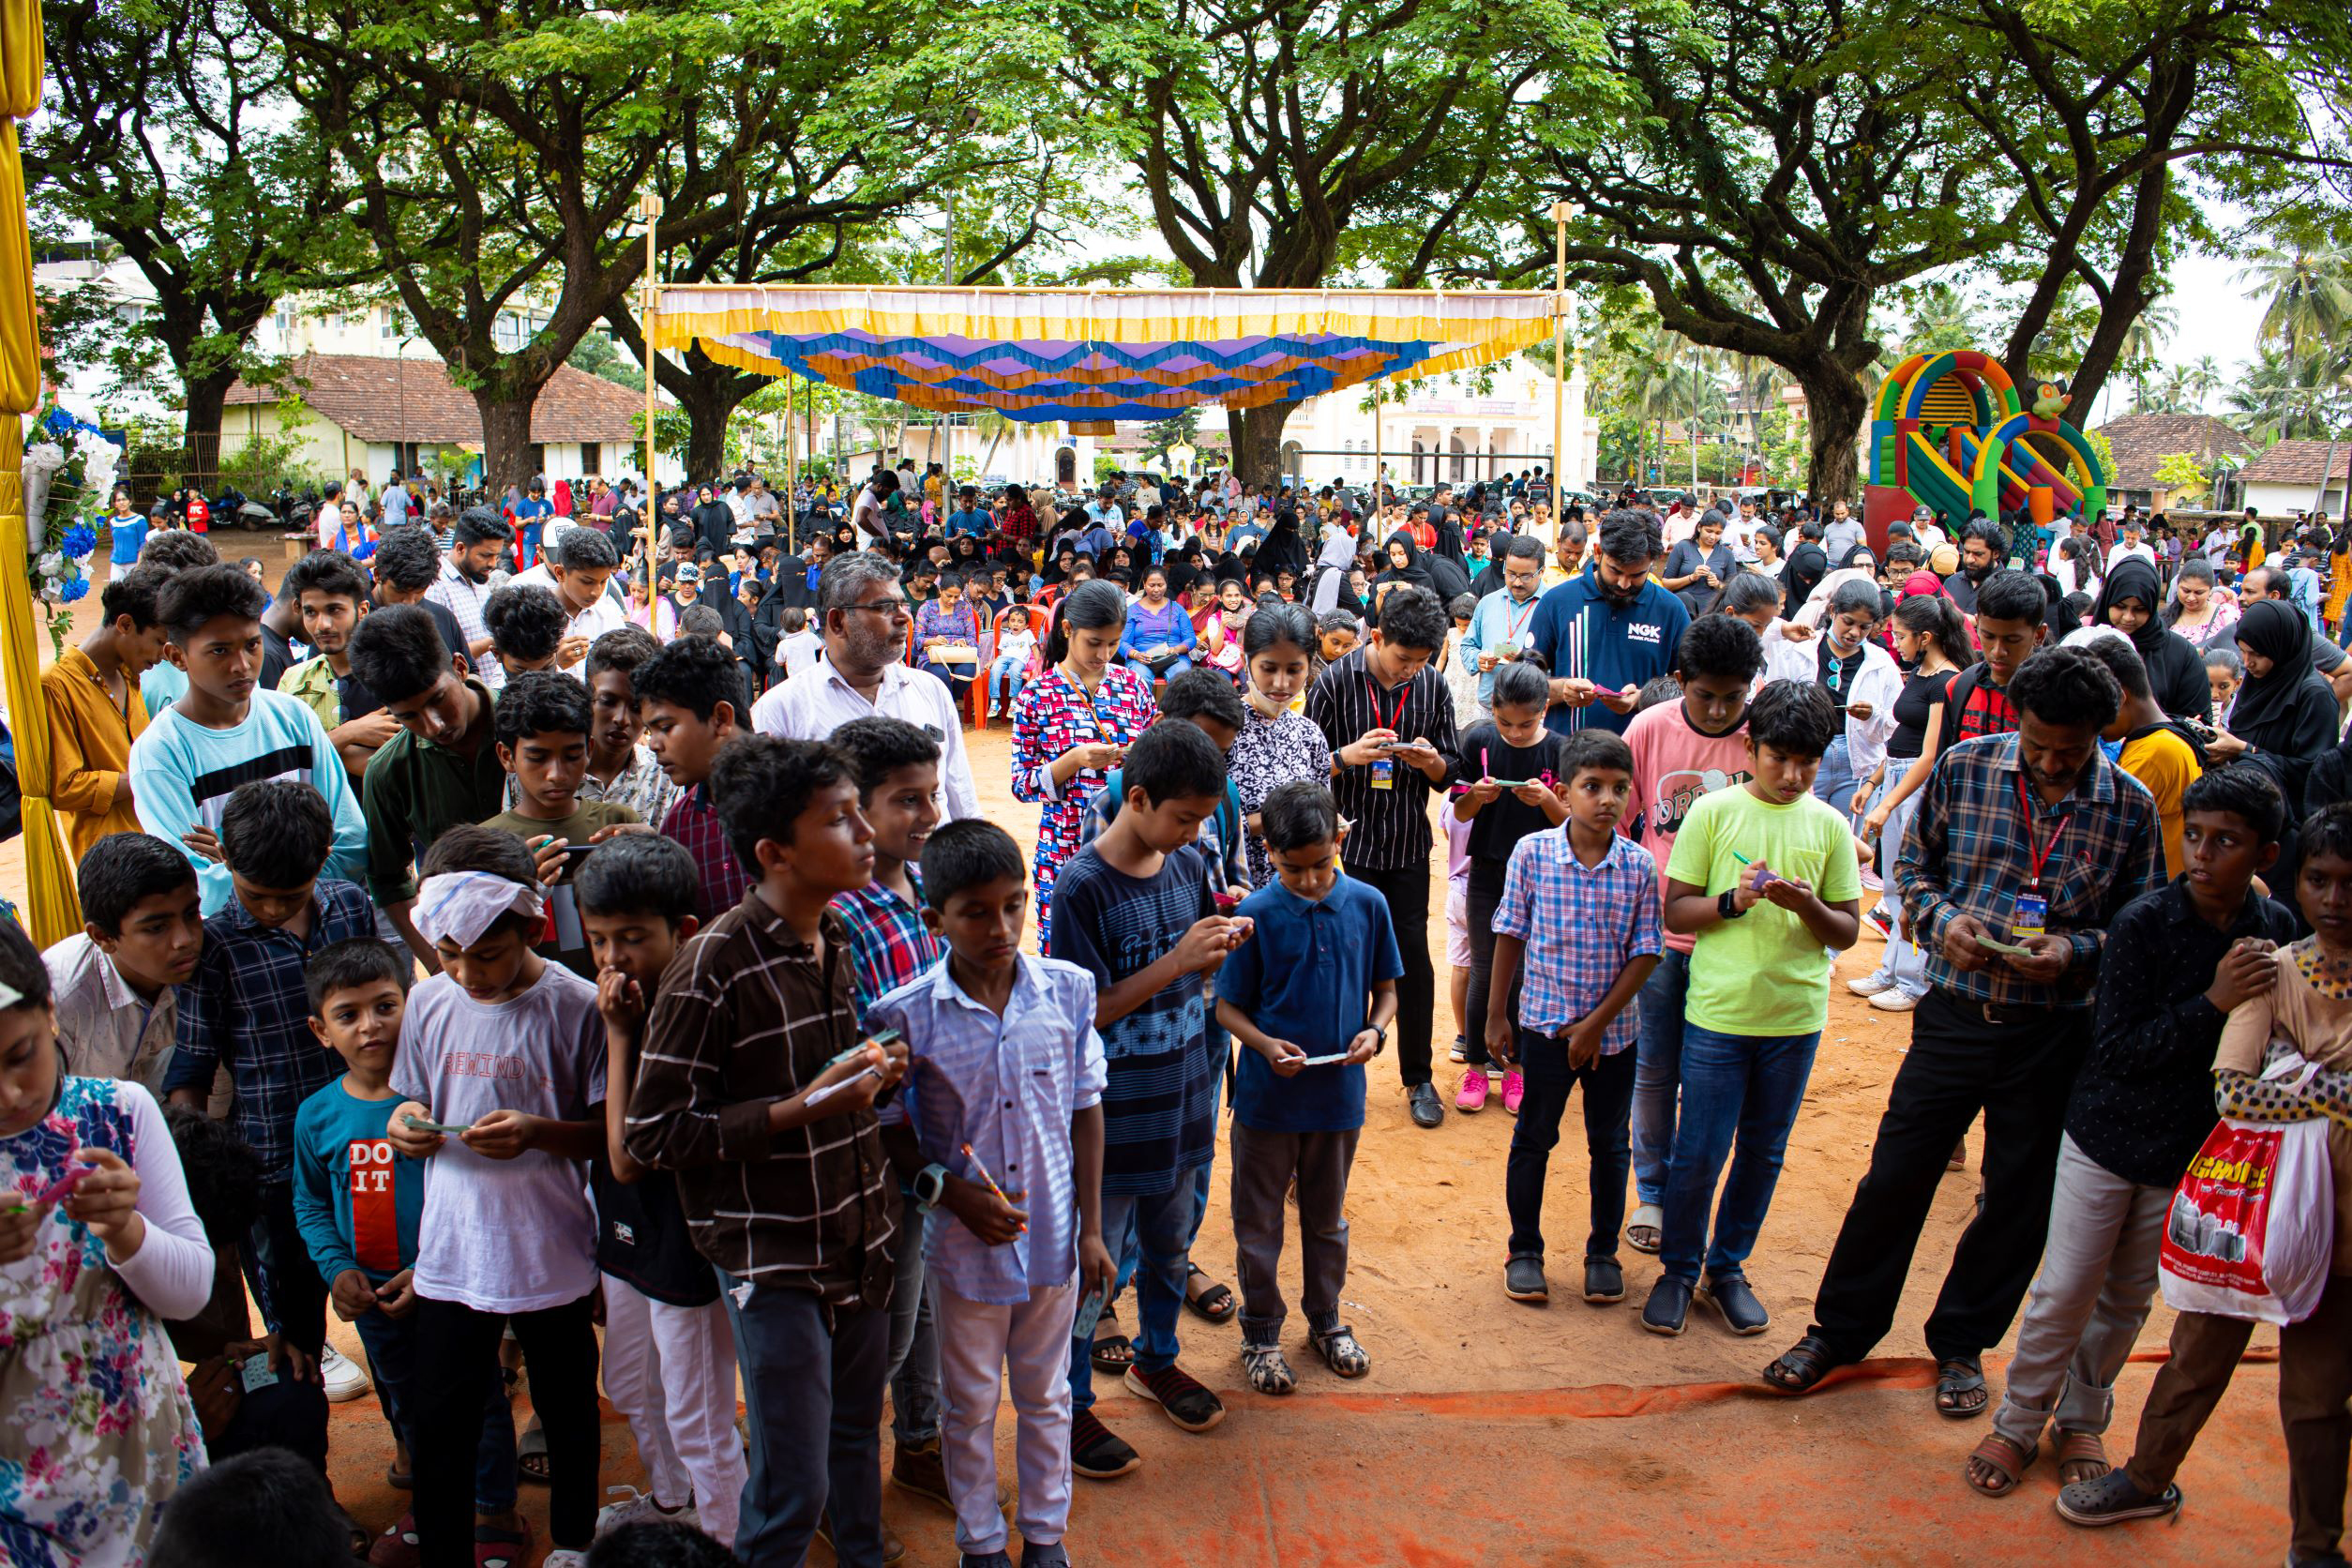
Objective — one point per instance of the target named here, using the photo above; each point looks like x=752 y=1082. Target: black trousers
x=1407 y=892
x=2017 y=1068
x=1608 y=1103
x=284 y=1280
x=457 y=1367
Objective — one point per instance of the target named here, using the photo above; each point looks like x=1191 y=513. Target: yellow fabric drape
x=51 y=910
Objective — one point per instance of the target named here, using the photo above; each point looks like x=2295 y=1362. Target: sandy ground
x=1492 y=1432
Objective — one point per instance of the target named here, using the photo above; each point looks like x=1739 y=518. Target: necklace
x=122 y=709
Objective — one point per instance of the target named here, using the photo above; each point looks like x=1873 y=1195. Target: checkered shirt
x=1593 y=920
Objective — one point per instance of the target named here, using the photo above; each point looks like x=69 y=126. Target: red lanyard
x=1402 y=697
x=2025 y=803
x=1511 y=626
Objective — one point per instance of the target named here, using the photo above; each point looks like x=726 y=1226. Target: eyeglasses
x=895 y=610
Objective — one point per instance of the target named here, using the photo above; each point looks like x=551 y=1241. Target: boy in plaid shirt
x=1574 y=1026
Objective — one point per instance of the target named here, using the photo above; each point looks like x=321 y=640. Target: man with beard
x=1842 y=533
x=1609 y=630
x=2033 y=840
x=479 y=543
x=1983 y=547
x=863 y=674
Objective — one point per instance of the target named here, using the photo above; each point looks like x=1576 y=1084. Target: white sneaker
x=1894 y=1000
x=993 y=707
x=1869 y=984
x=638 y=1506
x=345 y=1378
x=564 y=1556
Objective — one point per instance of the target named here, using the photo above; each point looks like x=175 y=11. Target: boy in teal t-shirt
x=1765 y=877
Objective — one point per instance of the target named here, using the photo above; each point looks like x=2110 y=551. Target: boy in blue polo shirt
x=1311 y=995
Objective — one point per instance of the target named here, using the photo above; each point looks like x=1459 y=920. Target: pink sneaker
x=1513 y=1091
x=1473 y=1095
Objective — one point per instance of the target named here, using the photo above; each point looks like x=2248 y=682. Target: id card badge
x=2032 y=914
x=1383 y=773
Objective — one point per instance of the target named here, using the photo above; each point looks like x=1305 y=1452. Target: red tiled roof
x=2141 y=441
x=388 y=399
x=2297 y=463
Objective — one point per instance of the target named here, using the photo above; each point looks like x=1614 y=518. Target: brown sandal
x=2081 y=1456
x=2005 y=1459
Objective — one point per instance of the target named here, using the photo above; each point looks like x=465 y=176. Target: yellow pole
x=649 y=208
x=791 y=463
x=1559 y=356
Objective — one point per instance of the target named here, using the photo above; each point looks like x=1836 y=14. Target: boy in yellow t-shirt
x=1765 y=877
x=2153 y=750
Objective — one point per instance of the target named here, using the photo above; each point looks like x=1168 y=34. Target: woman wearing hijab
x=1402 y=562
x=2286 y=717
x=2130 y=600
x=1282 y=548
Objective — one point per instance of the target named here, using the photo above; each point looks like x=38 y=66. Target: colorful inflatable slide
x=1951 y=434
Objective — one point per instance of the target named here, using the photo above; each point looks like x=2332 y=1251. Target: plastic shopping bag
x=2252 y=1223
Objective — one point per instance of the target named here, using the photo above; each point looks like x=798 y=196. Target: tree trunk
x=206 y=397
x=1835 y=406
x=505 y=412
x=1256 y=437
x=708 y=401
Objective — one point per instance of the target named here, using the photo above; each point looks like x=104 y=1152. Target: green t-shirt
x=1763 y=973
x=569 y=942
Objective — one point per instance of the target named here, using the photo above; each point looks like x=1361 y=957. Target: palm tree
x=996 y=426
x=1945 y=317
x=2309 y=314
x=2285 y=396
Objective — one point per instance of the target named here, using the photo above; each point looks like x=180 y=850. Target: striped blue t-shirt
x=1159 y=1111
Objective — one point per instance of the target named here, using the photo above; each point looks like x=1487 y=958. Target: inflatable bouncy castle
x=1950 y=433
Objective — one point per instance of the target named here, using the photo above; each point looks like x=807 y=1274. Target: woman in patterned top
x=948 y=622
x=1071 y=725
x=1277 y=745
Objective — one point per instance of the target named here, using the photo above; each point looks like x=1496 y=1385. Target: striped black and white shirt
x=1392 y=825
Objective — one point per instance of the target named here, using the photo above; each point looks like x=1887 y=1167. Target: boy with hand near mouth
x=511 y=1049
x=358 y=1203
x=1584 y=878
x=1006 y=1264
x=1758 y=994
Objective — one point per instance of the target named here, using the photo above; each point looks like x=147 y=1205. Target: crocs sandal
x=1268 y=1369
x=531 y=1462
x=2006 y=1458
x=1340 y=1352
x=1215 y=1305
x=494 y=1548
x=1956 y=1377
x=396 y=1547
x=1642 y=1231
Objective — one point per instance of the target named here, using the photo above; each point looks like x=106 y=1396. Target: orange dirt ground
x=1493 y=1433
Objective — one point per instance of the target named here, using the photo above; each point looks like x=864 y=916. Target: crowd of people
x=482 y=950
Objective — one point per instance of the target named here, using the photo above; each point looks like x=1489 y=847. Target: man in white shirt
x=481 y=540
x=1103 y=511
x=866 y=512
x=866 y=615
x=576 y=572
x=2130 y=544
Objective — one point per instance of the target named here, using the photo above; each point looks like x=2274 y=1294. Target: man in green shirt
x=441 y=769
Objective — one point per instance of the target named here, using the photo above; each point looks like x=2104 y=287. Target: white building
x=2287 y=478
x=1459 y=428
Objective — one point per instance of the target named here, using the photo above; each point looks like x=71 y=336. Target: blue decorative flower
x=73 y=588
x=79 y=541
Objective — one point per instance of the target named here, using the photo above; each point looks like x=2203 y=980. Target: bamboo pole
x=792 y=466
x=649 y=208
x=1559 y=358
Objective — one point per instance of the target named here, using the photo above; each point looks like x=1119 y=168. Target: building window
x=590 y=458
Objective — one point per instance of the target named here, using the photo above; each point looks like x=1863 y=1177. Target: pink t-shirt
x=1673 y=766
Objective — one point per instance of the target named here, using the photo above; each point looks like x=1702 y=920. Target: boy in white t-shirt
x=510 y=1048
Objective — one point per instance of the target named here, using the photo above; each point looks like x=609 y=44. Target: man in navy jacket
x=1609 y=630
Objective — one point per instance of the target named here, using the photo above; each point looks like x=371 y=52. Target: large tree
x=171 y=134
x=1261 y=134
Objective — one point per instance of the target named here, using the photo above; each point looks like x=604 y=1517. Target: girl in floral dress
x=95 y=1426
x=1071 y=725
x=1277 y=745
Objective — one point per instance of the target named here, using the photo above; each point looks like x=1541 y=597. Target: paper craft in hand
x=1089 y=1312
x=54 y=1193
x=420 y=1125
x=819 y=1097
x=256 y=1371
x=1999 y=946
x=881 y=1037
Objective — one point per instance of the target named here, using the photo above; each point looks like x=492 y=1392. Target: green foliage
x=260 y=462
x=1183 y=431
x=596 y=356
x=2179 y=472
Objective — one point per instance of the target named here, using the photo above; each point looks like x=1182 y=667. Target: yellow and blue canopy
x=1095 y=356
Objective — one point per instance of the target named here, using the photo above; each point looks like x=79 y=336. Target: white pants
x=1029 y=1343
x=670 y=1370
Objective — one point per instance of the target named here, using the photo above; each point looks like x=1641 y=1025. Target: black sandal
x=1957 y=1376
x=1216 y=1304
x=1803 y=1365
x=531 y=1461
x=1110 y=1352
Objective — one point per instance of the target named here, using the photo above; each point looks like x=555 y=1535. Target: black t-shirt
x=1686 y=558
x=1504 y=820
x=1836 y=675
x=642 y=1238
x=276 y=657
x=1921 y=695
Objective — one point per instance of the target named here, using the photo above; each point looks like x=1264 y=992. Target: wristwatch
x=929 y=1185
x=1726 y=905
x=1380 y=1039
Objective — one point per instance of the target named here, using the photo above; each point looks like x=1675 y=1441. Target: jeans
x=2090 y=1299
x=1004 y=678
x=1406 y=891
x=812 y=1392
x=1221 y=1048
x=1174 y=667
x=1658 y=1073
x=958 y=676
x=1904 y=964
x=1746 y=1085
x=2018 y=1070
x=1164 y=1227
x=457 y=1362
x=530 y=534
x=391 y=1345
x=1835 y=783
x=913 y=1344
x=1608 y=1094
